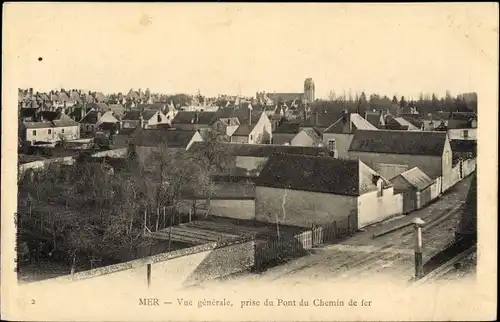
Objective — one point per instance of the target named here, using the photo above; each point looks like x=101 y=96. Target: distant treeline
x=424 y=105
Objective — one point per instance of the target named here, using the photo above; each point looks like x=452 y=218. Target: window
x=62 y=131
x=34 y=132
x=466 y=133
x=332 y=145
x=251 y=138
x=50 y=131
x=159 y=118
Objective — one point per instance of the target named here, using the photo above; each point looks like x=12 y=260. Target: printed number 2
x=32 y=301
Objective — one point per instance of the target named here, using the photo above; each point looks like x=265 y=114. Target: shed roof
x=399 y=142
x=416 y=178
x=312 y=173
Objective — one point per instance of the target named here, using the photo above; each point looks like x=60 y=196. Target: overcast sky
x=227 y=48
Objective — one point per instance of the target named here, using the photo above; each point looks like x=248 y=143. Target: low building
x=61 y=128
x=338 y=136
x=415 y=187
x=144 y=142
x=304 y=190
x=393 y=152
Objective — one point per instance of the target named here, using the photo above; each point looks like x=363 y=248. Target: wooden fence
x=275 y=249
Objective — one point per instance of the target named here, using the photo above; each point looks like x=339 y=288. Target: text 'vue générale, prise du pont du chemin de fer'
x=248 y=303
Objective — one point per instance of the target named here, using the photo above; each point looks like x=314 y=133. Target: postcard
x=249 y=162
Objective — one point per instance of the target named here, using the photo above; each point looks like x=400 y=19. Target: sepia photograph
x=248 y=161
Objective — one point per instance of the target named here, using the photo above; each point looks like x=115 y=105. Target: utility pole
x=419 y=267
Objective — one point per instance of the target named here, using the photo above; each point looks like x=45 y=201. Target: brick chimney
x=249 y=117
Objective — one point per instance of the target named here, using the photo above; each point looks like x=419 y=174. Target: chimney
x=83 y=110
x=249 y=117
x=141 y=121
x=31 y=92
x=316 y=119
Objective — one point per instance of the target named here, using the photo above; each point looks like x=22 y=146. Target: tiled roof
x=324 y=120
x=64 y=120
x=399 y=142
x=417 y=178
x=244 y=130
x=311 y=173
x=288 y=128
x=91 y=118
x=136 y=114
x=357 y=123
x=38 y=125
x=189 y=117
x=262 y=150
x=155 y=137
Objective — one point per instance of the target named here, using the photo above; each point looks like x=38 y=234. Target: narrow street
x=365 y=256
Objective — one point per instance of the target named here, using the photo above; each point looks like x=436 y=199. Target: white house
x=302 y=190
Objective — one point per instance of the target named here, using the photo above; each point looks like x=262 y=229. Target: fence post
x=419 y=269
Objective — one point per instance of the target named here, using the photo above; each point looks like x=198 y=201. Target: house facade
x=146 y=119
x=50 y=132
x=337 y=137
x=303 y=190
x=254 y=133
x=391 y=153
x=93 y=119
x=307 y=137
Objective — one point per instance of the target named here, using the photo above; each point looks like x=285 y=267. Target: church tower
x=309 y=90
